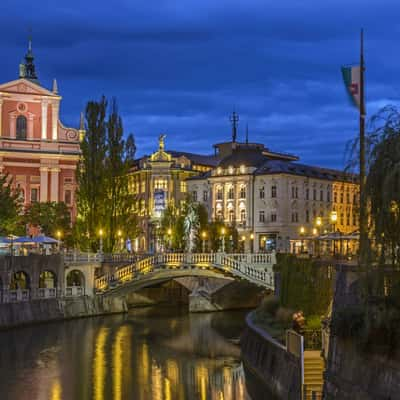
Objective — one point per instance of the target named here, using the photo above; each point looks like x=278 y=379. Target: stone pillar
x=44 y=119
x=44 y=173
x=1 y=115
x=54 y=184
x=13 y=126
x=30 y=127
x=54 y=119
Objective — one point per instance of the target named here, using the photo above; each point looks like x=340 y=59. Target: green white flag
x=352 y=81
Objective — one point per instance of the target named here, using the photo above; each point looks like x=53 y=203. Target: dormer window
x=21 y=128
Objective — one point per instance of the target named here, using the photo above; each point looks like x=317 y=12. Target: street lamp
x=120 y=240
x=244 y=242
x=333 y=218
x=203 y=238
x=101 y=240
x=302 y=231
x=223 y=239
x=58 y=234
x=169 y=233
x=252 y=242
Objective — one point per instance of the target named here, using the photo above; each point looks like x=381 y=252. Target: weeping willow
x=383 y=183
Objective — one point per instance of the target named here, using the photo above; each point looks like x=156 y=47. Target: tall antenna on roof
x=234 y=118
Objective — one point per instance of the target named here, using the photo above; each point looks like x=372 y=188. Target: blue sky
x=181 y=67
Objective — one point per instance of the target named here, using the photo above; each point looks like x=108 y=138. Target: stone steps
x=313 y=374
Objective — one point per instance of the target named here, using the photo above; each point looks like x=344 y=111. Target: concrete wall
x=270 y=363
x=36 y=311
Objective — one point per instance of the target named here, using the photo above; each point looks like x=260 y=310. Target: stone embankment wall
x=271 y=364
x=36 y=311
x=352 y=373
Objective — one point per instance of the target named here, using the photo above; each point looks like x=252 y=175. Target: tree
x=104 y=201
x=91 y=176
x=383 y=182
x=10 y=208
x=50 y=217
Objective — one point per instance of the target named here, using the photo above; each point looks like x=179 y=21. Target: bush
x=269 y=305
x=284 y=315
x=313 y=322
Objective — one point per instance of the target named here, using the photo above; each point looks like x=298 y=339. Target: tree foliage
x=173 y=221
x=50 y=217
x=103 y=198
x=10 y=208
x=383 y=182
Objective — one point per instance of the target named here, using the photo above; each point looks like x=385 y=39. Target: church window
x=21 y=127
x=68 y=197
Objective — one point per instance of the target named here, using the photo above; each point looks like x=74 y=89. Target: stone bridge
x=205 y=276
x=202 y=276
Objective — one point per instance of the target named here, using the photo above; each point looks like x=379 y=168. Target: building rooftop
x=284 y=167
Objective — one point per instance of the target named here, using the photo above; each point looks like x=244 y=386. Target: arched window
x=231 y=192
x=243 y=215
x=231 y=216
x=21 y=127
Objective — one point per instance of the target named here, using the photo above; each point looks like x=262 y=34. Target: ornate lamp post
x=169 y=233
x=223 y=239
x=58 y=234
x=333 y=219
x=302 y=232
x=203 y=239
x=120 y=240
x=244 y=242
x=252 y=242
x=101 y=240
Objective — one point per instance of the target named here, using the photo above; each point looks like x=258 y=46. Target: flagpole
x=363 y=200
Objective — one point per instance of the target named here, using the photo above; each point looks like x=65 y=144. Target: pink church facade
x=36 y=149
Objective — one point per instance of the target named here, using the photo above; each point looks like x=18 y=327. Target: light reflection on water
x=150 y=354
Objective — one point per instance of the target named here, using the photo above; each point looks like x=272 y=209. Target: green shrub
x=313 y=322
x=269 y=305
x=284 y=315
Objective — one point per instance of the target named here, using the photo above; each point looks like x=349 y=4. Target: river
x=148 y=354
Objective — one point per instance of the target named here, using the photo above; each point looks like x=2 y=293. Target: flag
x=352 y=81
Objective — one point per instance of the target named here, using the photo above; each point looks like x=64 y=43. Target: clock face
x=72 y=135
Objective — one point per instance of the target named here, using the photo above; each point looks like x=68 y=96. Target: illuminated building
x=269 y=196
x=159 y=180
x=36 y=149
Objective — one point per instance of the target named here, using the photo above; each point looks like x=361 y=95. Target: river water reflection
x=149 y=354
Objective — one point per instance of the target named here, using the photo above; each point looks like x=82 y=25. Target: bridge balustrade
x=47 y=293
x=17 y=295
x=74 y=291
x=78 y=258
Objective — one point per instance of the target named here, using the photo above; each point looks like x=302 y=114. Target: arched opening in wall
x=75 y=283
x=75 y=278
x=47 y=284
x=20 y=280
x=21 y=128
x=47 y=280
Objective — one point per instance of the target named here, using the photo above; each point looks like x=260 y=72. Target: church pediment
x=24 y=86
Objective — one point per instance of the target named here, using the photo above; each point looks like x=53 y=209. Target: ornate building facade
x=36 y=149
x=159 y=180
x=273 y=200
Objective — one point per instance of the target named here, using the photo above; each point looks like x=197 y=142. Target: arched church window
x=21 y=127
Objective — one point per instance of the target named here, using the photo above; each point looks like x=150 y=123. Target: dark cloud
x=181 y=67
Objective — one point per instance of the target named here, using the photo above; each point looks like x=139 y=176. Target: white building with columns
x=274 y=201
x=38 y=152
